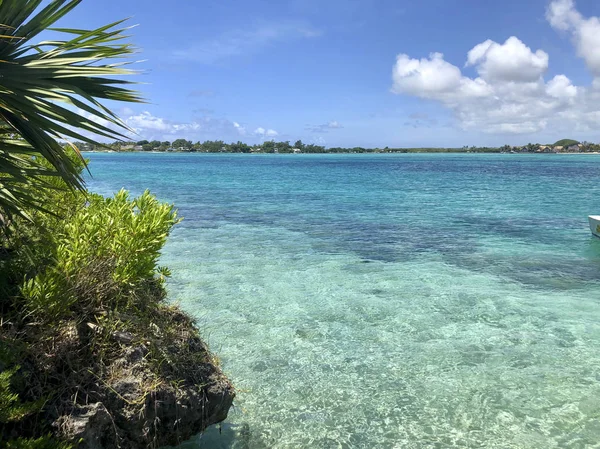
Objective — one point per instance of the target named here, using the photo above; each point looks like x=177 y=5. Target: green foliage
x=78 y=271
x=212 y=146
x=182 y=143
x=104 y=252
x=11 y=409
x=74 y=276
x=566 y=142
x=37 y=79
x=239 y=147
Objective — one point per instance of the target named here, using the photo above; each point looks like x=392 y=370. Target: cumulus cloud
x=262 y=132
x=428 y=77
x=561 y=87
x=324 y=127
x=563 y=16
x=511 y=61
x=509 y=93
x=434 y=78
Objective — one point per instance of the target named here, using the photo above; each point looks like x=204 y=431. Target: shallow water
x=390 y=301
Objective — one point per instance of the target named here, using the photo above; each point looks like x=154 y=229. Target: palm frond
x=36 y=79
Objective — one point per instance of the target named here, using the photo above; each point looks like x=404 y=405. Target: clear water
x=389 y=301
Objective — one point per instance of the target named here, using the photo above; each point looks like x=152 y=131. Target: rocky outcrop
x=168 y=416
x=136 y=406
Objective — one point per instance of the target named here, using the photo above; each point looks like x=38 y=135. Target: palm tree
x=50 y=92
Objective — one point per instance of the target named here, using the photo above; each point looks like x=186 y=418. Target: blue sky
x=363 y=73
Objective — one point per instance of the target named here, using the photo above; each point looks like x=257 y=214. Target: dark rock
x=91 y=424
x=139 y=407
x=136 y=354
x=123 y=337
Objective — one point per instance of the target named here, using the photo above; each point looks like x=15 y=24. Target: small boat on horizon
x=595 y=224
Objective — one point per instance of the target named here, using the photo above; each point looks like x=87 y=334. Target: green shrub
x=11 y=408
x=71 y=278
x=102 y=256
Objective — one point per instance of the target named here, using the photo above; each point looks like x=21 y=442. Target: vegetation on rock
x=89 y=347
x=91 y=354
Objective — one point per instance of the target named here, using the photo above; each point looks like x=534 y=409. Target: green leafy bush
x=102 y=256
x=72 y=277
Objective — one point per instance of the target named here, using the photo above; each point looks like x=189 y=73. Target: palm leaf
x=36 y=78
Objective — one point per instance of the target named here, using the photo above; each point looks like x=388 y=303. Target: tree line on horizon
x=271 y=146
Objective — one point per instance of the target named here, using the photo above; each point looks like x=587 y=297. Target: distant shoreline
x=412 y=151
x=285 y=147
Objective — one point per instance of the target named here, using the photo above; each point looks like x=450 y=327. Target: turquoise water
x=389 y=301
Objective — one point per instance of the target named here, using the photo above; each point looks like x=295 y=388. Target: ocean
x=387 y=301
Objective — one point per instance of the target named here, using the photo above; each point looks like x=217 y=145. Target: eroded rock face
x=89 y=423
x=140 y=411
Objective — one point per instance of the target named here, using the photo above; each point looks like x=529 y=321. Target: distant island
x=285 y=147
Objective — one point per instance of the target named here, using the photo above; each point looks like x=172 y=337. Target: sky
x=371 y=73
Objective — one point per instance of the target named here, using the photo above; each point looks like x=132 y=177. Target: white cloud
x=245 y=41
x=126 y=111
x=100 y=121
x=147 y=125
x=434 y=78
x=562 y=15
x=561 y=87
x=511 y=61
x=147 y=122
x=429 y=77
x=262 y=132
x=510 y=94
x=240 y=129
